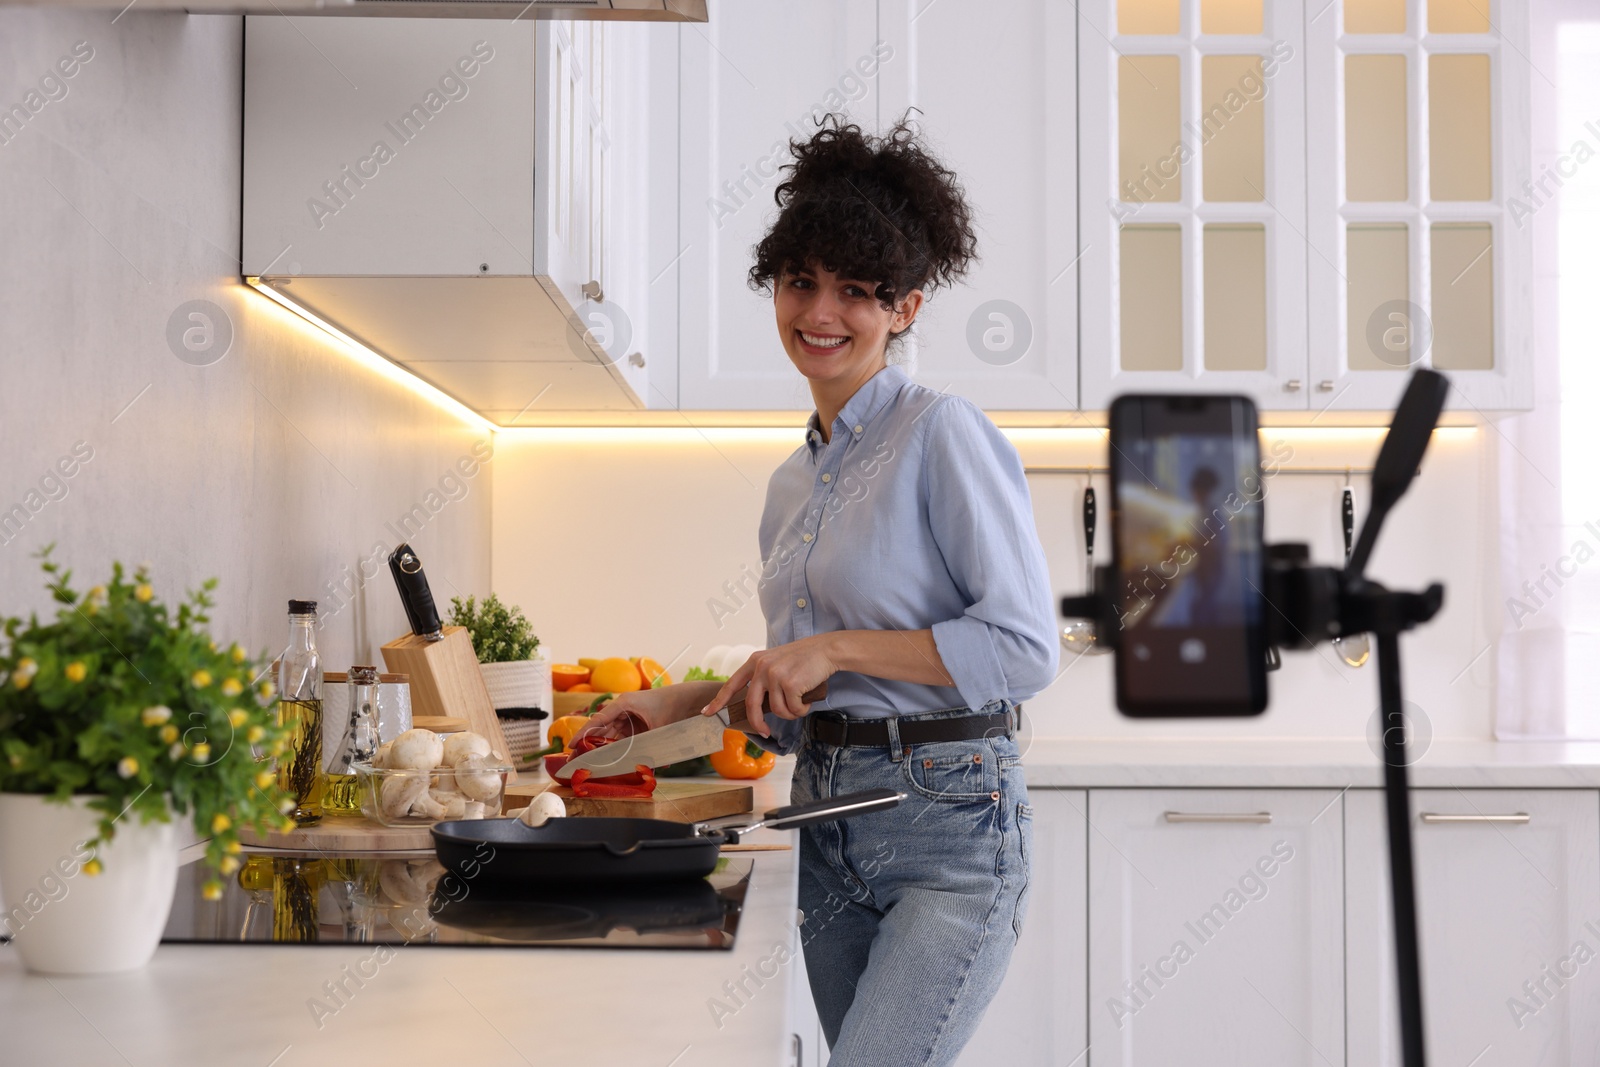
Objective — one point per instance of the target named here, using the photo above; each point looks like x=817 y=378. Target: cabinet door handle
x=1219 y=816
x=1517 y=818
x=1292 y=385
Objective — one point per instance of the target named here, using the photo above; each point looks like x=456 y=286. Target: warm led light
x=374 y=361
x=792 y=436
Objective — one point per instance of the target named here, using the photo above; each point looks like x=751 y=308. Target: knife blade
x=673 y=743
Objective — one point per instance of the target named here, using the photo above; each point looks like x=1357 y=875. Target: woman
x=902 y=568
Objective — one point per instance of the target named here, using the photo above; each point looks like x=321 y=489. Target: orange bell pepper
x=563 y=729
x=741 y=757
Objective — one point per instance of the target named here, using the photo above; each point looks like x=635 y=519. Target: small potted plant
x=516 y=672
x=115 y=717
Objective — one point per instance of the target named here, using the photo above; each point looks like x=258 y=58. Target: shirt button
x=827 y=477
x=806 y=538
x=860 y=429
x=800 y=603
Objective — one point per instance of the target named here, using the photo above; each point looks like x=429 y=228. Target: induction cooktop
x=321 y=898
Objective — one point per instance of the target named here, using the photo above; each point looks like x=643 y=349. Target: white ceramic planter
x=63 y=921
x=519 y=683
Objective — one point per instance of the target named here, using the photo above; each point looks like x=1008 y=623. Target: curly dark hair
x=879 y=209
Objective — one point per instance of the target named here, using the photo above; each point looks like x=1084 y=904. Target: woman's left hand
x=782 y=675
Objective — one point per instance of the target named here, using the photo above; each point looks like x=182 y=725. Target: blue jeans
x=911 y=914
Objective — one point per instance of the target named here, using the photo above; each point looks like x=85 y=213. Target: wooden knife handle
x=736 y=709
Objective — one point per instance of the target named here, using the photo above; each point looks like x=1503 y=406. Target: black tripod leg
x=1401 y=879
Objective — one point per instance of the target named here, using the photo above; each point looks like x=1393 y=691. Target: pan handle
x=843 y=806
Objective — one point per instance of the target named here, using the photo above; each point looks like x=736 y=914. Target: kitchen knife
x=415 y=595
x=697 y=736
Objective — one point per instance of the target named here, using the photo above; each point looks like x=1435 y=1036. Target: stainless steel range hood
x=609 y=10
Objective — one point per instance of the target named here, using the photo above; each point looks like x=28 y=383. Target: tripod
x=1308 y=604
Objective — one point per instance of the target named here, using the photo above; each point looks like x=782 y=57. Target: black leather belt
x=836 y=730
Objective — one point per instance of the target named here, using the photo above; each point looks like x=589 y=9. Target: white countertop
x=213 y=1005
x=1091 y=763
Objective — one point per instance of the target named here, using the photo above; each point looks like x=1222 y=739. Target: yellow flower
x=92 y=868
x=127 y=767
x=201 y=752
x=220 y=822
x=23 y=673
x=286 y=805
x=236 y=654
x=200 y=679
x=238 y=717
x=16 y=759
x=155 y=716
x=169 y=733
x=288 y=826
x=175 y=751
x=233 y=848
x=278 y=747
x=264 y=779
x=231 y=687
x=212 y=890
x=76 y=671
x=142 y=592
x=97 y=593
x=228 y=865
x=255 y=734
x=213 y=646
x=265 y=689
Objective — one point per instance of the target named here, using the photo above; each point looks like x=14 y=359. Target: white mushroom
x=478 y=779
x=458 y=747
x=380 y=759
x=542 y=808
x=419 y=750
x=474 y=809
x=400 y=791
x=426 y=807
x=454 y=804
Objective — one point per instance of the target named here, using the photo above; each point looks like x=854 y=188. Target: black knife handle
x=1088 y=519
x=415 y=595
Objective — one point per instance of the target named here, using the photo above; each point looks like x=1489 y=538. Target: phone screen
x=1187 y=556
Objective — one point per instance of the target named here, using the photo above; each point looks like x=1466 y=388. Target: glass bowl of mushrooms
x=421 y=778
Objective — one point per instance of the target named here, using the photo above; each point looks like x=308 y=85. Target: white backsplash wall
x=616 y=541
x=280 y=467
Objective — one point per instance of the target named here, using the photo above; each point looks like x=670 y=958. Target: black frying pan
x=501 y=851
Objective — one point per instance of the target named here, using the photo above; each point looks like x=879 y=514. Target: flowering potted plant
x=114 y=717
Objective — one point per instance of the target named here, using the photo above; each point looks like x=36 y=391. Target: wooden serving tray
x=342 y=833
x=676 y=800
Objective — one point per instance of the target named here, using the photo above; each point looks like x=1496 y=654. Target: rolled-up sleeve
x=1005 y=644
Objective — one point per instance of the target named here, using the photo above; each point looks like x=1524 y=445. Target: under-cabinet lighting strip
x=377 y=361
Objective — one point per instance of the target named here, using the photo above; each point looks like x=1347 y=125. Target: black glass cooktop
x=409 y=899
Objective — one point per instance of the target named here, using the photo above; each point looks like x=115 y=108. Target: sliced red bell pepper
x=641 y=783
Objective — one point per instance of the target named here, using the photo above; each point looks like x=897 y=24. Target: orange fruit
x=563 y=676
x=581 y=687
x=615 y=675
x=650 y=670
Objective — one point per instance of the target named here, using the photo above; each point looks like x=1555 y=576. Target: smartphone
x=1186 y=556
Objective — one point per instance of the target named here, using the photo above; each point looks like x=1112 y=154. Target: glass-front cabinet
x=1295 y=201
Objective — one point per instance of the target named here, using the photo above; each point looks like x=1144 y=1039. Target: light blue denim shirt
x=914 y=514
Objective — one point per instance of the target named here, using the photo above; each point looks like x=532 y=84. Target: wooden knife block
x=445 y=680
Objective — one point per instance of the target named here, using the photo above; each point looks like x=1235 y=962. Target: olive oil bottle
x=357 y=743
x=300 y=771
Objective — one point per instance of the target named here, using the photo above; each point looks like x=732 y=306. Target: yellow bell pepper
x=565 y=727
x=736 y=759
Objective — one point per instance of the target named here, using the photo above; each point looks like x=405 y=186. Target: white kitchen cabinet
x=1418 y=143
x=445 y=190
x=751 y=80
x=1503 y=907
x=1192 y=199
x=1216 y=935
x=993 y=83
x=1037 y=1019
x=1006 y=337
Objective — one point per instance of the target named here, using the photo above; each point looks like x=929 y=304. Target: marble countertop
x=248 y=1006
x=1065 y=762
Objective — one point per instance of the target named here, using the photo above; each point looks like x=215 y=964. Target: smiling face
x=834 y=329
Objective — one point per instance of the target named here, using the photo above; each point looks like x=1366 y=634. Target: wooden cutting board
x=338 y=833
x=677 y=800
